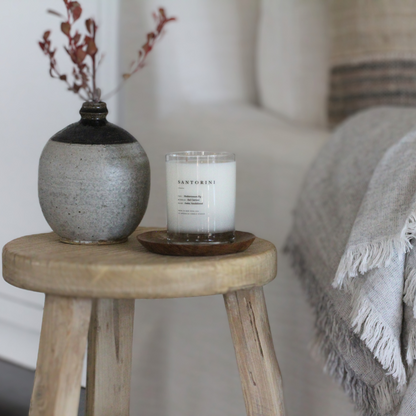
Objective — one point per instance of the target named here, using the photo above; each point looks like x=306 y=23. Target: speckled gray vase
x=94 y=180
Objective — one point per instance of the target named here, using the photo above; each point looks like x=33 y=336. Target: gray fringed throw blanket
x=352 y=246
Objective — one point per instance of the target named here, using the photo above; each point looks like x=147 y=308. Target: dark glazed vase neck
x=91 y=111
x=93 y=128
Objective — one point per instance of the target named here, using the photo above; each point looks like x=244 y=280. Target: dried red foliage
x=80 y=47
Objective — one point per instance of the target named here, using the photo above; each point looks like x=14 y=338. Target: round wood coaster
x=156 y=242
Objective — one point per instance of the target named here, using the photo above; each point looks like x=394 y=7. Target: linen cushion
x=373 y=55
x=293 y=59
x=207 y=56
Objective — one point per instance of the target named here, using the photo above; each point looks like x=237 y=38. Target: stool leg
x=110 y=344
x=63 y=341
x=259 y=371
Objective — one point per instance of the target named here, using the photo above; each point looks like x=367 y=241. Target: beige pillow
x=293 y=59
x=373 y=55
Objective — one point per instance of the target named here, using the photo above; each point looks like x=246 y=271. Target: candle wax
x=201 y=197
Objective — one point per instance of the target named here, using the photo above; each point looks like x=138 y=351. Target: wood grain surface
x=63 y=342
x=128 y=271
x=110 y=343
x=259 y=371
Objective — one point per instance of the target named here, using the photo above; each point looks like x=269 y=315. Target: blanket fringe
x=364 y=257
x=378 y=338
x=333 y=336
x=371 y=400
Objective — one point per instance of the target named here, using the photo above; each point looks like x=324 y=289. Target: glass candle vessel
x=201 y=197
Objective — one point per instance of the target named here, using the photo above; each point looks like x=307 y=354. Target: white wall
x=33 y=108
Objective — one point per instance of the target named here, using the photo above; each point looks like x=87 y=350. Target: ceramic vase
x=94 y=180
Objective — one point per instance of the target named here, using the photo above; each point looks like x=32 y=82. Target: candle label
x=186 y=202
x=203 y=204
x=191 y=197
x=195 y=182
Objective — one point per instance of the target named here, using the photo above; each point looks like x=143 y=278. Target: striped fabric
x=373 y=56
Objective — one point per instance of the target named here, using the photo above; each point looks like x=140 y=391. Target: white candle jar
x=201 y=197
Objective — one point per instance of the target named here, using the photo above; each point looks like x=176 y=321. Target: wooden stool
x=90 y=292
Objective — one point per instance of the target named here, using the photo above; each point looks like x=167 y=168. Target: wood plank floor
x=16 y=385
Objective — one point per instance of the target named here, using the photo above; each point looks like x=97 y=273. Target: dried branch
x=161 y=20
x=80 y=47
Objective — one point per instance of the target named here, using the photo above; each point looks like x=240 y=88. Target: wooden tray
x=156 y=242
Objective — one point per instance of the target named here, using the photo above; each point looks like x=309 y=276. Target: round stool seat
x=42 y=263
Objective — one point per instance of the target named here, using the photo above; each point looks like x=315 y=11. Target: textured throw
x=352 y=246
x=373 y=55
